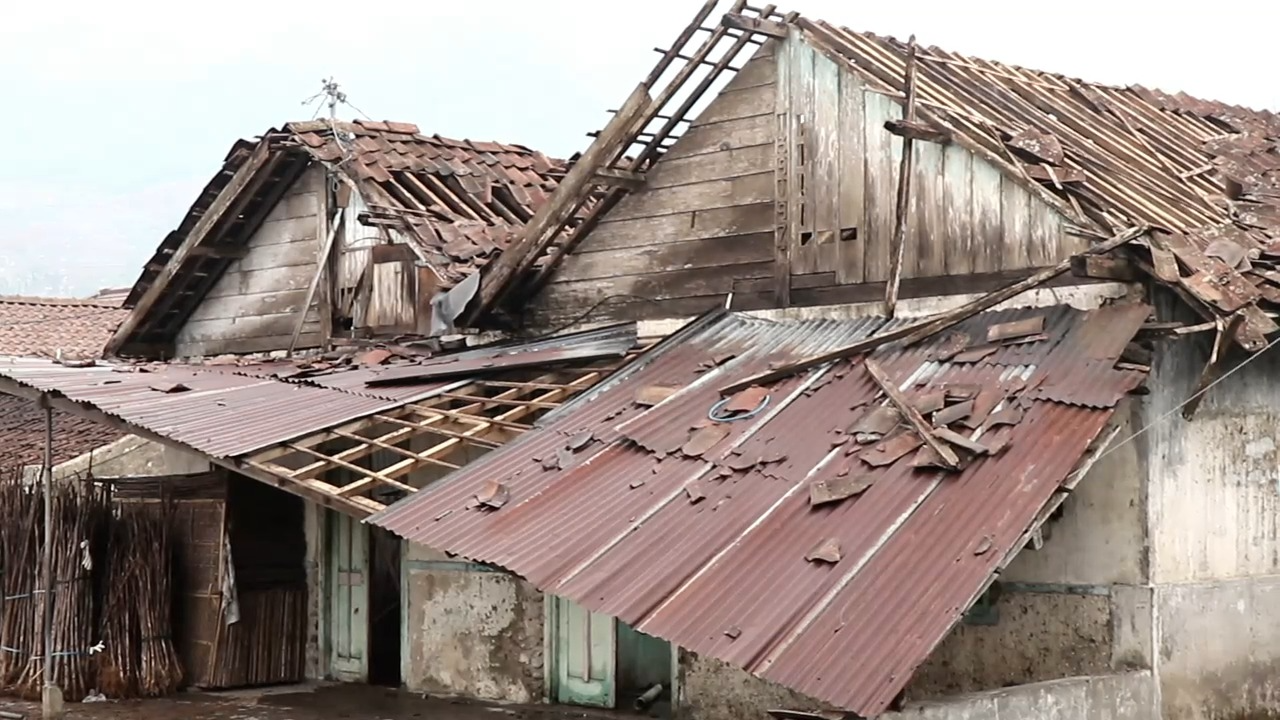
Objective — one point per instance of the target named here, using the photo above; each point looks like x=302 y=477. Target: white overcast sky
x=115 y=114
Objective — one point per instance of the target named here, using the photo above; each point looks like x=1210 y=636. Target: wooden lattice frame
x=347 y=463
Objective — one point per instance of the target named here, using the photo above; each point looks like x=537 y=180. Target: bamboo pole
x=51 y=697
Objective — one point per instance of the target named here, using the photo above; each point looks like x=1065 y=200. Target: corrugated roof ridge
x=56 y=301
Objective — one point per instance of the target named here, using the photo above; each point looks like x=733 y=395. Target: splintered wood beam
x=913 y=416
x=229 y=196
x=932 y=325
x=616 y=177
x=916 y=130
x=542 y=229
x=898 y=243
x=1213 y=368
x=760 y=26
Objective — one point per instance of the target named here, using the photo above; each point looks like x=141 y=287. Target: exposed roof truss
x=361 y=466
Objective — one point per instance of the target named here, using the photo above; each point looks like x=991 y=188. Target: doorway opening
x=384 y=608
x=599 y=661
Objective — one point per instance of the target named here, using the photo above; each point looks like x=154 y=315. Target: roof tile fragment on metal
x=766 y=536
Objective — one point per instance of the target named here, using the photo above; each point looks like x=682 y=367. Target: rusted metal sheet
x=232 y=409
x=222 y=414
x=708 y=549
x=614 y=341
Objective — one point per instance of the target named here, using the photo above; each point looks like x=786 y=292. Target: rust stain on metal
x=730 y=540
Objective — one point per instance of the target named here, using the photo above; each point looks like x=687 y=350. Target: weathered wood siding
x=798 y=145
x=703 y=218
x=965 y=217
x=254 y=305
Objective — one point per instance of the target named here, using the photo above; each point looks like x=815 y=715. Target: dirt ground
x=357 y=702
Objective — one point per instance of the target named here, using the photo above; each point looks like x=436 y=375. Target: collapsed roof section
x=799 y=529
x=1201 y=174
x=456 y=203
x=325 y=428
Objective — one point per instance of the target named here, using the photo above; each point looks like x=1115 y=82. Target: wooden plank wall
x=796 y=128
x=254 y=305
x=967 y=222
x=703 y=218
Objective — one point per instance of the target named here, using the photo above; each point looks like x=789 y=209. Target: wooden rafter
x=482 y=414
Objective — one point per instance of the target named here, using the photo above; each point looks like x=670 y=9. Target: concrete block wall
x=1214 y=522
x=471 y=631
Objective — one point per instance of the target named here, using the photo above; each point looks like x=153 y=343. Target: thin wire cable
x=1189 y=398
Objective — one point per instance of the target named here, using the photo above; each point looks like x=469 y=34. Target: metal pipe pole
x=51 y=698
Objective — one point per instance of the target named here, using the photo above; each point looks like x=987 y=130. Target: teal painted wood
x=348 y=598
x=643 y=660
x=585 y=655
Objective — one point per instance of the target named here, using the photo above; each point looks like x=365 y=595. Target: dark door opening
x=384 y=608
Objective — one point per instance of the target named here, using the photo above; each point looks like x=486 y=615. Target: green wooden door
x=348 y=598
x=585 y=656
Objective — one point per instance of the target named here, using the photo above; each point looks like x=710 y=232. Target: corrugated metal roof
x=612 y=341
x=221 y=414
x=705 y=546
x=231 y=410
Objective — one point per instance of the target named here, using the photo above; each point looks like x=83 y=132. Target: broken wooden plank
x=1016 y=329
x=737 y=21
x=923 y=429
x=543 y=228
x=1213 y=368
x=917 y=130
x=898 y=243
x=1104 y=268
x=930 y=326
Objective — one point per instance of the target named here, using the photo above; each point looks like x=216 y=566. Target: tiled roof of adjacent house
x=46 y=326
x=43 y=326
x=458 y=203
x=461 y=200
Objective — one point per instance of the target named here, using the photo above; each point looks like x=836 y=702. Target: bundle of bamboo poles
x=20 y=515
x=139 y=659
x=79 y=511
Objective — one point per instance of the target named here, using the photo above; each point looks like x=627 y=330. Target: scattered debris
x=494 y=494
x=170 y=387
x=695 y=492
x=703 y=439
x=651 y=395
x=984 y=545
x=892 y=449
x=954 y=413
x=580 y=440
x=841 y=487
x=748 y=400
x=923 y=429
x=1016 y=329
x=875 y=424
x=733 y=632
x=376 y=356
x=827 y=551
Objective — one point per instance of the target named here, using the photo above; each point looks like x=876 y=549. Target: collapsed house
x=960 y=395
